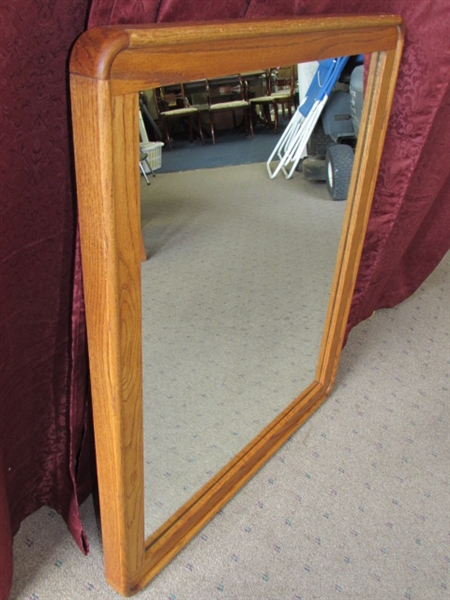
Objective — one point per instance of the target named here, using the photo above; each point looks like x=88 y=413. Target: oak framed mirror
x=109 y=67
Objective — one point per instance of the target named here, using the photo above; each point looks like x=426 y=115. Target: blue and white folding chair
x=288 y=151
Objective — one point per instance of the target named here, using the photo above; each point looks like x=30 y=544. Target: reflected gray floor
x=235 y=294
x=232 y=148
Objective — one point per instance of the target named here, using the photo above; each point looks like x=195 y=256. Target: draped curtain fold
x=45 y=429
x=44 y=416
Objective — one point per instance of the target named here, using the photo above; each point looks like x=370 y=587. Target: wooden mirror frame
x=109 y=66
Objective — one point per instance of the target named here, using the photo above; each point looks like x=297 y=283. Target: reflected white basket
x=154 y=154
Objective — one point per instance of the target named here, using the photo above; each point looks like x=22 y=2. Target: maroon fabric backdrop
x=45 y=449
x=43 y=362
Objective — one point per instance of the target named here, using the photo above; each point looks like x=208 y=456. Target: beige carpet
x=355 y=506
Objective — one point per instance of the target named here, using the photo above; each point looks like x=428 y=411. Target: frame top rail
x=96 y=50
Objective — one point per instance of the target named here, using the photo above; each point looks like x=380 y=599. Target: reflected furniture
x=228 y=94
x=284 y=92
x=143 y=165
x=279 y=92
x=172 y=104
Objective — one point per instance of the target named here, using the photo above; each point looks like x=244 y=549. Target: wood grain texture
x=377 y=101
x=110 y=257
x=320 y=37
x=108 y=68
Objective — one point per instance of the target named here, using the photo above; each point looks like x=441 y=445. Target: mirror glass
x=234 y=292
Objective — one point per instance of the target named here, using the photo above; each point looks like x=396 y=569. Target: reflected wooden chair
x=261 y=100
x=284 y=92
x=228 y=94
x=279 y=93
x=172 y=104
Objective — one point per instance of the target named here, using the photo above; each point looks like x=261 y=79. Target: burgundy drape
x=45 y=454
x=43 y=367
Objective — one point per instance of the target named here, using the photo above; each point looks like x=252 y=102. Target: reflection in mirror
x=236 y=288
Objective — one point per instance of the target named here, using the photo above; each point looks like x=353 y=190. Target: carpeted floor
x=355 y=506
x=231 y=148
